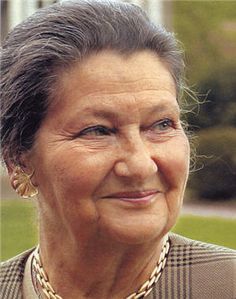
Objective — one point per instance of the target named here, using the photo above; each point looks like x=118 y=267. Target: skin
x=103 y=246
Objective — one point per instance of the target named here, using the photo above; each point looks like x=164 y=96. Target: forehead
x=107 y=76
x=114 y=67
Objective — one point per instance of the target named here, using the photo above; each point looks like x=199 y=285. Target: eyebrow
x=108 y=114
x=173 y=108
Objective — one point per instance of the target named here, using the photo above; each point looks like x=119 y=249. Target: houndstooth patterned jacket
x=194 y=270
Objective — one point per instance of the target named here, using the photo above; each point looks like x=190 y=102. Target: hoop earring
x=22 y=184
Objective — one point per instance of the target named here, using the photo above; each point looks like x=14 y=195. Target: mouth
x=136 y=197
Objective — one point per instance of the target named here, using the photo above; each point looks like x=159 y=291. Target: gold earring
x=22 y=184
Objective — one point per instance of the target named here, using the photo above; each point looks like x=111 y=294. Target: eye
x=163 y=125
x=96 y=131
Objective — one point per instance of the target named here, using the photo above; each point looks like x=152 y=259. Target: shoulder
x=203 y=270
x=200 y=251
x=185 y=251
x=11 y=275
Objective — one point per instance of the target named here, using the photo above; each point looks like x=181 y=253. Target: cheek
x=176 y=168
x=175 y=162
x=81 y=173
x=68 y=180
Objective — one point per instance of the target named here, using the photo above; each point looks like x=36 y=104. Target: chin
x=146 y=231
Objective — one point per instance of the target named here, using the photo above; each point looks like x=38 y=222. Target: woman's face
x=111 y=158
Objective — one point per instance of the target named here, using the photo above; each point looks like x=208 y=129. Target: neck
x=97 y=267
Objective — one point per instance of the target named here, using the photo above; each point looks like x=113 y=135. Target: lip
x=134 y=196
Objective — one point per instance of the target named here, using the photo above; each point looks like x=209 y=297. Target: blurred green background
x=207 y=30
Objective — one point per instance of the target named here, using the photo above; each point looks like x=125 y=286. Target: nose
x=136 y=161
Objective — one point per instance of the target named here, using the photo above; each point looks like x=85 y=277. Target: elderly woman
x=91 y=125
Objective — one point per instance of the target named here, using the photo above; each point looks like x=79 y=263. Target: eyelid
x=89 y=129
x=94 y=128
x=164 y=120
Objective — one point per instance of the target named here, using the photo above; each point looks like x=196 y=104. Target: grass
x=19 y=229
x=216 y=230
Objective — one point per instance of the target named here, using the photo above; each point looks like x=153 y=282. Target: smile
x=137 y=197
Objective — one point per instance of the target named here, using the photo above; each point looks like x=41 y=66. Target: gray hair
x=52 y=40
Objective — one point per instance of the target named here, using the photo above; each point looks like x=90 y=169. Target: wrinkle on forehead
x=117 y=68
x=109 y=74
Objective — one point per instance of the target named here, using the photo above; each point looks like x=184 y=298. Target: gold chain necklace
x=143 y=291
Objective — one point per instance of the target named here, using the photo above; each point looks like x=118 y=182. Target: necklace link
x=143 y=291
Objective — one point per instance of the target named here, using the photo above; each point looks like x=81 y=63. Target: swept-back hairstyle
x=54 y=38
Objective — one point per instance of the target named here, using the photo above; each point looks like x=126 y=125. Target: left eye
x=96 y=131
x=163 y=125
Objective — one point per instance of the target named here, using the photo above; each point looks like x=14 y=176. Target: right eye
x=163 y=125
x=96 y=131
